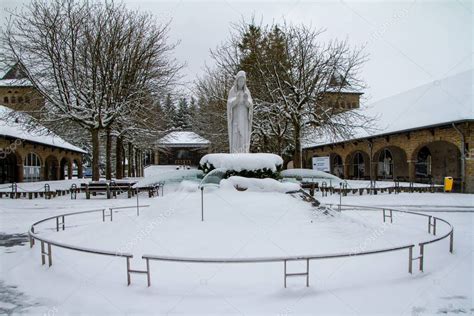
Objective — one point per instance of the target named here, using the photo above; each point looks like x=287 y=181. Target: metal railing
x=47 y=243
x=60 y=223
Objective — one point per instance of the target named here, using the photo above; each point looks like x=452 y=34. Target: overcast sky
x=409 y=42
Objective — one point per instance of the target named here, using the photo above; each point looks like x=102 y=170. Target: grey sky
x=409 y=42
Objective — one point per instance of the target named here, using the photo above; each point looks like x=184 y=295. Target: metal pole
x=340 y=197
x=284 y=276
x=202 y=204
x=138 y=209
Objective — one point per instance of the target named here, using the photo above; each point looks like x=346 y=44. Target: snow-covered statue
x=239 y=115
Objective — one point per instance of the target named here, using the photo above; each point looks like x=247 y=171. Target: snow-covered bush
x=309 y=174
x=260 y=185
x=174 y=176
x=245 y=165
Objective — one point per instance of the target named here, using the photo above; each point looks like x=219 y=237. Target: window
x=20 y=99
x=13 y=99
x=32 y=168
x=5 y=100
x=385 y=164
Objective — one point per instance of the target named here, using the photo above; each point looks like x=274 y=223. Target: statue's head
x=240 y=80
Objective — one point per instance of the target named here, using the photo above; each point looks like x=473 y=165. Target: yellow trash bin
x=448 y=184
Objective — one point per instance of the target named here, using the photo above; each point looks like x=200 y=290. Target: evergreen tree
x=169 y=111
x=182 y=118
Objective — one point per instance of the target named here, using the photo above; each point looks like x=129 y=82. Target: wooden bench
x=112 y=189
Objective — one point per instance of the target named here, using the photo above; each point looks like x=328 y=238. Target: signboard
x=321 y=164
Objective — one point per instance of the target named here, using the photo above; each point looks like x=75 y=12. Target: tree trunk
x=137 y=163
x=130 y=159
x=95 y=154
x=108 y=155
x=297 y=159
x=119 y=158
x=124 y=155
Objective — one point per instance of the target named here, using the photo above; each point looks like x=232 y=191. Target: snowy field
x=237 y=225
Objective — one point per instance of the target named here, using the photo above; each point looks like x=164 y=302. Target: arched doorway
x=65 y=171
x=358 y=170
x=51 y=168
x=32 y=168
x=385 y=164
x=9 y=171
x=437 y=160
x=423 y=163
x=337 y=166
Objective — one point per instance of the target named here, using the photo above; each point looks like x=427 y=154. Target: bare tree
x=291 y=72
x=210 y=120
x=92 y=62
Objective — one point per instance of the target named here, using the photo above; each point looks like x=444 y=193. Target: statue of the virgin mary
x=239 y=115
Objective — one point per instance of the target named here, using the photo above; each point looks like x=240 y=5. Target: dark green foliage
x=258 y=173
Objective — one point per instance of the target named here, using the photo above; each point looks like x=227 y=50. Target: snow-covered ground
x=237 y=225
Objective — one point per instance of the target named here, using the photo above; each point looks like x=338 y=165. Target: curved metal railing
x=387 y=215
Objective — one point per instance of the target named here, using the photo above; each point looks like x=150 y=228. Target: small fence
x=387 y=214
x=371 y=189
x=109 y=189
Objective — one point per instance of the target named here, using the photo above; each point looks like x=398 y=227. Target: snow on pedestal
x=240 y=162
x=259 y=185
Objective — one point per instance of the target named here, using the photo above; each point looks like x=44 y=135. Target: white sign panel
x=321 y=164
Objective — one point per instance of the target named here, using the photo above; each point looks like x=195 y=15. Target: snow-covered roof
x=344 y=89
x=13 y=127
x=183 y=139
x=436 y=103
x=15 y=83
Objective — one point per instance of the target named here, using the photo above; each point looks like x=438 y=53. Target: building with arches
x=423 y=135
x=33 y=153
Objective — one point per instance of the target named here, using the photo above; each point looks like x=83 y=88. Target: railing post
x=284 y=275
x=429 y=224
x=32 y=242
x=410 y=259
x=128 y=271
x=422 y=253
x=307 y=271
x=50 y=258
x=434 y=225
x=451 y=241
x=148 y=271
x=42 y=253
